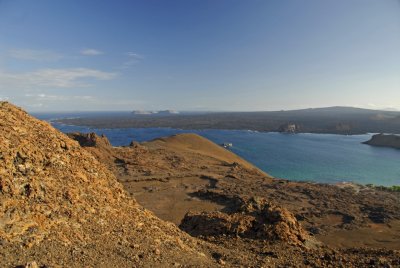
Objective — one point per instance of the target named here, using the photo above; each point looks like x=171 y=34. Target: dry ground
x=350 y=224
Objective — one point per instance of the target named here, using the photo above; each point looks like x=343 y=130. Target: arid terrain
x=180 y=201
x=194 y=183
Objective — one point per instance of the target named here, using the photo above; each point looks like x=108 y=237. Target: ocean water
x=324 y=158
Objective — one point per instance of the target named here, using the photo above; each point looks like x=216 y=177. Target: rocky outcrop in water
x=385 y=140
x=289 y=128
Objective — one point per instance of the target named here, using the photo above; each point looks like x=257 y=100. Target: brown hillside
x=60 y=207
x=259 y=221
x=200 y=145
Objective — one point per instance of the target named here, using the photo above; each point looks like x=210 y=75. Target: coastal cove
x=326 y=158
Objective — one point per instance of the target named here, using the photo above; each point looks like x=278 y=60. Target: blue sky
x=199 y=55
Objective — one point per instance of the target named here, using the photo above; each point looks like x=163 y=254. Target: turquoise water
x=313 y=157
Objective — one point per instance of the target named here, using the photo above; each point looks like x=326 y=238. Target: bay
x=326 y=158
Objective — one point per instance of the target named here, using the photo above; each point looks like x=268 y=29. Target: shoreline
x=337 y=120
x=335 y=183
x=62 y=123
x=148 y=134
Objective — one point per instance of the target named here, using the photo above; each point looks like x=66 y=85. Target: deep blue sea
x=325 y=158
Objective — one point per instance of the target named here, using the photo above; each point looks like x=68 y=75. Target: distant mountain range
x=337 y=120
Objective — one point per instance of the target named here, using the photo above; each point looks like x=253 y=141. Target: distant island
x=334 y=120
x=385 y=140
x=163 y=112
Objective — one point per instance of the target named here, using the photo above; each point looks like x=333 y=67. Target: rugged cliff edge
x=384 y=140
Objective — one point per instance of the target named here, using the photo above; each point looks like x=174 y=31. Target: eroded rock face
x=90 y=139
x=46 y=180
x=254 y=218
x=216 y=223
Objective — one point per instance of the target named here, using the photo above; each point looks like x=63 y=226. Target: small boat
x=227 y=145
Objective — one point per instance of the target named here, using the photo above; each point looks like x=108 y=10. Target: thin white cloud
x=35 y=105
x=42 y=97
x=34 y=55
x=59 y=78
x=91 y=52
x=42 y=101
x=375 y=106
x=134 y=55
x=133 y=58
x=385 y=107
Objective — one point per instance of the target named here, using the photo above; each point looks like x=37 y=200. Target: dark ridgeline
x=335 y=120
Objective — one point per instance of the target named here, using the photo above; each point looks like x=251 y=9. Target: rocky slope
x=60 y=207
x=260 y=221
x=385 y=140
x=253 y=218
